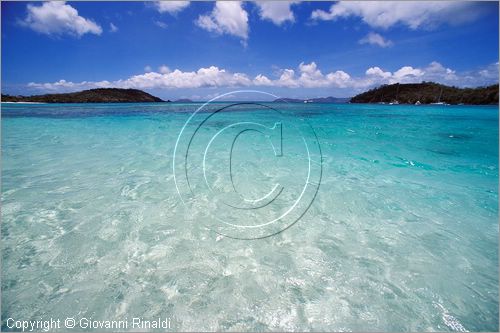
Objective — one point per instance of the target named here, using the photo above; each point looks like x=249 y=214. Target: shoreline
x=24 y=103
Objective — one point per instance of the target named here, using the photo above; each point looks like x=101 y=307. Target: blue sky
x=200 y=49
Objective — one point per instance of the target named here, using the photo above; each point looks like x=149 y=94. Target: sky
x=197 y=50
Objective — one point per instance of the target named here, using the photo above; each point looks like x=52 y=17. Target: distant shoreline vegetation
x=101 y=95
x=428 y=93
x=410 y=93
x=323 y=100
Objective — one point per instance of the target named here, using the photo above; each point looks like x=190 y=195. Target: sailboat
x=395 y=101
x=381 y=100
x=439 y=99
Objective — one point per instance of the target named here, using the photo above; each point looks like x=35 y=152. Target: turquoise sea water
x=401 y=235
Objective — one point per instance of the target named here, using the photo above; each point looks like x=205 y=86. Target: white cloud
x=262 y=80
x=161 y=24
x=287 y=79
x=277 y=12
x=113 y=28
x=490 y=72
x=148 y=68
x=373 y=38
x=63 y=85
x=312 y=77
x=376 y=71
x=227 y=17
x=436 y=71
x=307 y=75
x=407 y=73
x=163 y=69
x=170 y=6
x=58 y=18
x=204 y=77
x=414 y=14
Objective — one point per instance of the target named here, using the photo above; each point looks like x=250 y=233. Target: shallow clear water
x=402 y=234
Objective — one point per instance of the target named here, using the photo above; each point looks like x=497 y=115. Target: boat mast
x=440 y=94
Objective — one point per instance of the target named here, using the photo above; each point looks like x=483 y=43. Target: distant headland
x=314 y=100
x=183 y=100
x=428 y=93
x=100 y=95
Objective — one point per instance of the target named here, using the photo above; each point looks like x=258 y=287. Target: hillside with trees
x=428 y=92
x=102 y=95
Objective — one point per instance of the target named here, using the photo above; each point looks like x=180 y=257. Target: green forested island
x=427 y=93
x=101 y=95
